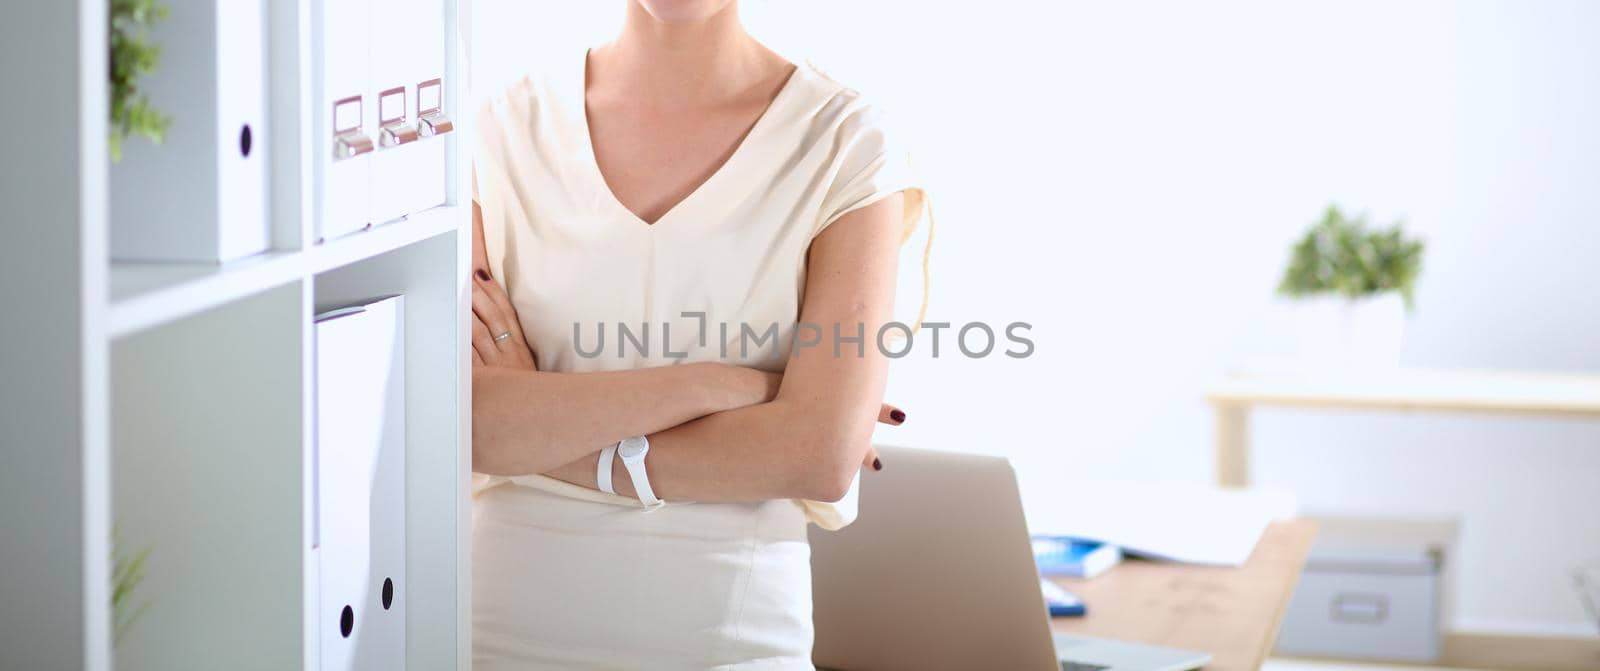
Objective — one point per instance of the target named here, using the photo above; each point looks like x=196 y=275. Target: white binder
x=427 y=78
x=343 y=130
x=199 y=195
x=407 y=70
x=359 y=501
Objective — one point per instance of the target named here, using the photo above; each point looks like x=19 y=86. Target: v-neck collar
x=586 y=138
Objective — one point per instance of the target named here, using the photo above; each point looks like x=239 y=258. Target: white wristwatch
x=632 y=451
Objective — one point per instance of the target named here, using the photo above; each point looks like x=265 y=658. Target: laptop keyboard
x=1077 y=666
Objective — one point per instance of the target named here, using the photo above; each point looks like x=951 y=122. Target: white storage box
x=1379 y=603
x=380 y=112
x=199 y=195
x=342 y=139
x=407 y=75
x=360 y=498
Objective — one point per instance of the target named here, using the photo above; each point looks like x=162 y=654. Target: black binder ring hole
x=388 y=593
x=245 y=140
x=347 y=621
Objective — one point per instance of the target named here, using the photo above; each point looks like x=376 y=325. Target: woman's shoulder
x=843 y=122
x=832 y=99
x=520 y=93
x=532 y=101
x=864 y=156
x=840 y=114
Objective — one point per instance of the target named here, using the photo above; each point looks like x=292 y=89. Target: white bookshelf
x=175 y=400
x=149 y=294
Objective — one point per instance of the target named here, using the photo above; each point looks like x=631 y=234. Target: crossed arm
x=718 y=433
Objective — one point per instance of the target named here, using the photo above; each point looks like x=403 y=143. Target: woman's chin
x=679 y=12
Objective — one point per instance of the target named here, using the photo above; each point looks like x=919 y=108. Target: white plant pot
x=1340 y=332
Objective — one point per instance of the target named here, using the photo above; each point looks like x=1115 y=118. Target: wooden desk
x=1401 y=390
x=1413 y=390
x=1232 y=613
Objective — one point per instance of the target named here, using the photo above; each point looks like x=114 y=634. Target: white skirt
x=564 y=583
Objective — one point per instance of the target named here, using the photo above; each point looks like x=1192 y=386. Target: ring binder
x=388 y=161
x=408 y=171
x=360 y=486
x=200 y=194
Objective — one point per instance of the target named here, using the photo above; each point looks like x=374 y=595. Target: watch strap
x=641 y=477
x=602 y=474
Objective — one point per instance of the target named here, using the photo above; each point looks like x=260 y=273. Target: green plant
x=127 y=571
x=1341 y=255
x=133 y=56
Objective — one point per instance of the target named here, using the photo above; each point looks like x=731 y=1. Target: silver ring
x=502 y=336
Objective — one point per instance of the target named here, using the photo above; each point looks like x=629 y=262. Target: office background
x=1128 y=176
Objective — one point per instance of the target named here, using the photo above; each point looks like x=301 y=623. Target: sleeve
x=489 y=177
x=486 y=139
x=870 y=167
x=486 y=143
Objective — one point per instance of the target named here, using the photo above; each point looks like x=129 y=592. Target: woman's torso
x=732 y=250
x=719 y=277
x=562 y=570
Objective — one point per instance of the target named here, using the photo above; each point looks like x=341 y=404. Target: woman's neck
x=677 y=64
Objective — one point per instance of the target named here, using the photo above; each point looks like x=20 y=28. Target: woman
x=684 y=184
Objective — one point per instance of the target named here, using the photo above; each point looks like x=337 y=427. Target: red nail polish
x=877 y=464
x=898 y=416
x=483 y=275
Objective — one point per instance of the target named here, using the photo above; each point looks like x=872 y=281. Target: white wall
x=1127 y=176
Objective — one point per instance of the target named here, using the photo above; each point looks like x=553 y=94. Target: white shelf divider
x=54 y=512
x=146 y=295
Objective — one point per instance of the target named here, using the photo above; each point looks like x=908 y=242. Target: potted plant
x=127 y=572
x=132 y=57
x=1353 y=287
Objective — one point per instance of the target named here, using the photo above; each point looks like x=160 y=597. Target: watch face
x=632 y=448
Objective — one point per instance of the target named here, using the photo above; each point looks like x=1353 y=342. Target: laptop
x=938 y=573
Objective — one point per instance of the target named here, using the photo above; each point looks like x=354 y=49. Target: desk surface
x=1233 y=613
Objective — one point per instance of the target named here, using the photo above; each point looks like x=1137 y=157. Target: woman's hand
x=887 y=414
x=497 y=338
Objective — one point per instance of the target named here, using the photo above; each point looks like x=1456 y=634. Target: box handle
x=431 y=119
x=1359 y=608
x=393 y=130
x=348 y=140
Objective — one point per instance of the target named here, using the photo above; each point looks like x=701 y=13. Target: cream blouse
x=712 y=274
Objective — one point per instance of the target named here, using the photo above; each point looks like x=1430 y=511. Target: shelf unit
x=1400 y=390
x=147 y=294
x=175 y=401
